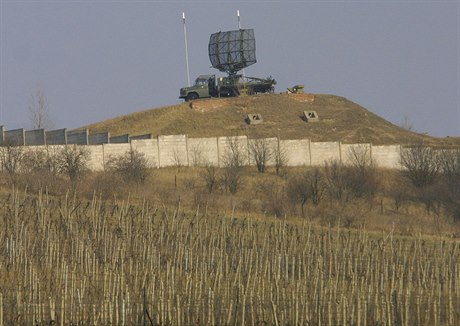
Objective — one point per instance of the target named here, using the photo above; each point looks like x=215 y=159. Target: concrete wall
x=56 y=137
x=296 y=152
x=388 y=156
x=148 y=147
x=176 y=150
x=322 y=152
x=35 y=137
x=173 y=150
x=203 y=151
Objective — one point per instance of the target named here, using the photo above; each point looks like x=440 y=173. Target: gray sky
x=101 y=59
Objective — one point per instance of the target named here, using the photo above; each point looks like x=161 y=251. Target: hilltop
x=339 y=120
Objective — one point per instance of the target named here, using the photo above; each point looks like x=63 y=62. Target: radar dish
x=233 y=50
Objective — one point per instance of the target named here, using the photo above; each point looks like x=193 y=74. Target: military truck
x=209 y=86
x=229 y=52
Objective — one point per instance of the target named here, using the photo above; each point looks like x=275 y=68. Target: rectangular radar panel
x=233 y=50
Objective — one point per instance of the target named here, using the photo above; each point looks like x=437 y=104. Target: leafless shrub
x=42 y=160
x=11 y=158
x=178 y=159
x=361 y=177
x=335 y=179
x=196 y=155
x=232 y=178
x=73 y=161
x=273 y=197
x=449 y=163
x=421 y=164
x=261 y=153
x=210 y=177
x=309 y=185
x=132 y=166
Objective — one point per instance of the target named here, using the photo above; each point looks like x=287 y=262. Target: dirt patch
x=306 y=98
x=208 y=104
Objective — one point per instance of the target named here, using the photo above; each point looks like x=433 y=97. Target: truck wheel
x=192 y=96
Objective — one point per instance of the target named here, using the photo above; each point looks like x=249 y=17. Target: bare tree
x=261 y=153
x=421 y=164
x=407 y=123
x=360 y=157
x=233 y=161
x=280 y=158
x=38 y=109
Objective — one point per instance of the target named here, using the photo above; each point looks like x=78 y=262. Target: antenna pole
x=186 y=49
x=239 y=27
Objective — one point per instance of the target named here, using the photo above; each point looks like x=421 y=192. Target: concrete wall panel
x=173 y=150
x=322 y=152
x=144 y=136
x=203 y=151
x=148 y=147
x=96 y=157
x=78 y=137
x=35 y=137
x=239 y=145
x=98 y=139
x=119 y=139
x=350 y=153
x=56 y=137
x=14 y=137
x=387 y=156
x=296 y=152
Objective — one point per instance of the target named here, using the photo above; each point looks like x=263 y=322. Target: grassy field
x=96 y=262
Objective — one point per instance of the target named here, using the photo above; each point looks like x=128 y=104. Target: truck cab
x=204 y=87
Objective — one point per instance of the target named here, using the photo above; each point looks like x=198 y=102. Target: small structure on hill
x=254 y=119
x=310 y=116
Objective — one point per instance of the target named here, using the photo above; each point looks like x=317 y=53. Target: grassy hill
x=339 y=120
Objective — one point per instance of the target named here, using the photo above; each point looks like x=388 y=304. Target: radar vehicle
x=229 y=52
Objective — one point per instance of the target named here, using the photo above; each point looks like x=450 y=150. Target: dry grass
x=340 y=119
x=99 y=263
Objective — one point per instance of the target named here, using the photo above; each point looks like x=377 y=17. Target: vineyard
x=70 y=261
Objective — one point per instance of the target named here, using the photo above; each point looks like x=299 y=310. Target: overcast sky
x=101 y=59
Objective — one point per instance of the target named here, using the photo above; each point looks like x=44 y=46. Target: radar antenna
x=232 y=51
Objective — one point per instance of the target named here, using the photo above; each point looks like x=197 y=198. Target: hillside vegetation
x=339 y=120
